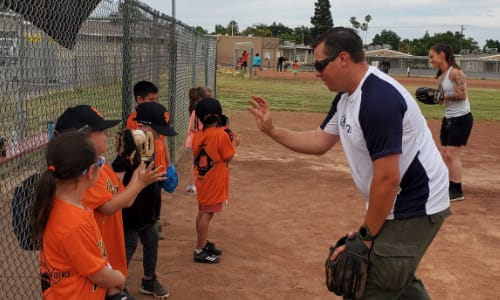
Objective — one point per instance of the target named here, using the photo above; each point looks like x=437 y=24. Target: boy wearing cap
x=139 y=220
x=146 y=91
x=212 y=151
x=107 y=196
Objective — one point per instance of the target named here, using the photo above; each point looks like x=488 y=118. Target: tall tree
x=322 y=20
x=364 y=26
x=354 y=23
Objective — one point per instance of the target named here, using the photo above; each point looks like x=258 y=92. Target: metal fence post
x=126 y=63
x=172 y=85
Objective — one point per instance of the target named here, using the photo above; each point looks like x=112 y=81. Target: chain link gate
x=119 y=44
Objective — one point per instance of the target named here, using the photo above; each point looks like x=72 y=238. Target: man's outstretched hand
x=259 y=108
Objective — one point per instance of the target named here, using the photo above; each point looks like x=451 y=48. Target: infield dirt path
x=285 y=210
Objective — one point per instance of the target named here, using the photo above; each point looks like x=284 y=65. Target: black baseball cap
x=155 y=115
x=208 y=106
x=78 y=117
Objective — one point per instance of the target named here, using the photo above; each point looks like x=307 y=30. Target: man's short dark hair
x=144 y=88
x=340 y=39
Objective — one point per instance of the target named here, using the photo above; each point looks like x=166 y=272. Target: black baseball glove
x=346 y=275
x=429 y=95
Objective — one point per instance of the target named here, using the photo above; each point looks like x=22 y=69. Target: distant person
x=244 y=60
x=196 y=94
x=279 y=66
x=257 y=63
x=295 y=67
x=286 y=64
x=457 y=122
x=408 y=71
x=384 y=66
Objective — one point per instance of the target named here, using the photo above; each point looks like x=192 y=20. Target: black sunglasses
x=320 y=65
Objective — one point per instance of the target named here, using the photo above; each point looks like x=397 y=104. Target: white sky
x=408 y=18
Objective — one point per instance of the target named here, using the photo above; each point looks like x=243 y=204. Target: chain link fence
x=119 y=44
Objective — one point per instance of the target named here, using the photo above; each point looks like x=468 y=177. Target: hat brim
x=164 y=130
x=107 y=124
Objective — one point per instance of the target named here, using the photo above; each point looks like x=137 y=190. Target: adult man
x=393 y=158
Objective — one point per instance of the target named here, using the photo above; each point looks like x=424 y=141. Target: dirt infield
x=423 y=81
x=286 y=209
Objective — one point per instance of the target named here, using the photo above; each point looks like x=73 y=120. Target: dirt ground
x=285 y=209
x=421 y=81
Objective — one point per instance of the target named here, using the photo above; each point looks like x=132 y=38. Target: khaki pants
x=395 y=255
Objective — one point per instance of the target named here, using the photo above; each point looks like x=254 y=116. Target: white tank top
x=454 y=108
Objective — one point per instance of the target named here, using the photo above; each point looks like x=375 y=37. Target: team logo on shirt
x=344 y=125
x=112 y=187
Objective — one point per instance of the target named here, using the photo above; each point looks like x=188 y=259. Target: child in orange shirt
x=212 y=151
x=295 y=67
x=195 y=96
x=73 y=262
x=107 y=196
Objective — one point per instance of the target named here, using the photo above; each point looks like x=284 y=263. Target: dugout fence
x=120 y=43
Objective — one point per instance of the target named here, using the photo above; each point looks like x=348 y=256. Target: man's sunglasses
x=99 y=163
x=320 y=65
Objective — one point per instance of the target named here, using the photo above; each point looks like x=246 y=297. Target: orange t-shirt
x=160 y=155
x=107 y=186
x=213 y=187
x=72 y=250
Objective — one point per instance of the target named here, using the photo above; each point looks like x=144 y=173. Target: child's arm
x=142 y=177
x=108 y=278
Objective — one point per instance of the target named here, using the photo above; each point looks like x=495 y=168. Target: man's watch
x=366 y=234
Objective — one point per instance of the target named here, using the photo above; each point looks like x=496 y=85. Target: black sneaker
x=210 y=248
x=205 y=257
x=456 y=196
x=154 y=288
x=120 y=296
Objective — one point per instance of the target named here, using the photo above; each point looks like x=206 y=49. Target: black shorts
x=456 y=131
x=244 y=64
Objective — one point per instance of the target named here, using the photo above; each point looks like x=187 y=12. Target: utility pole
x=461 y=36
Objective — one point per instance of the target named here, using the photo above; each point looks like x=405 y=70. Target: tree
x=278 y=30
x=260 y=30
x=201 y=30
x=134 y=10
x=232 y=28
x=491 y=44
x=387 y=37
x=303 y=35
x=220 y=29
x=364 y=26
x=355 y=23
x=322 y=20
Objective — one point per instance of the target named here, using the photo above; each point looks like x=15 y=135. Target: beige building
x=229 y=48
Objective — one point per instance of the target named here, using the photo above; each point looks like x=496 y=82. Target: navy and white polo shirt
x=381 y=118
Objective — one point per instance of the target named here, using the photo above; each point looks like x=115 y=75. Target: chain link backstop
x=119 y=44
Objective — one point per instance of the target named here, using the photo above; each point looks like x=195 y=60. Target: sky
x=407 y=18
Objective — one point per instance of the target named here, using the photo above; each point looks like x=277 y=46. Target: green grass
x=312 y=96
